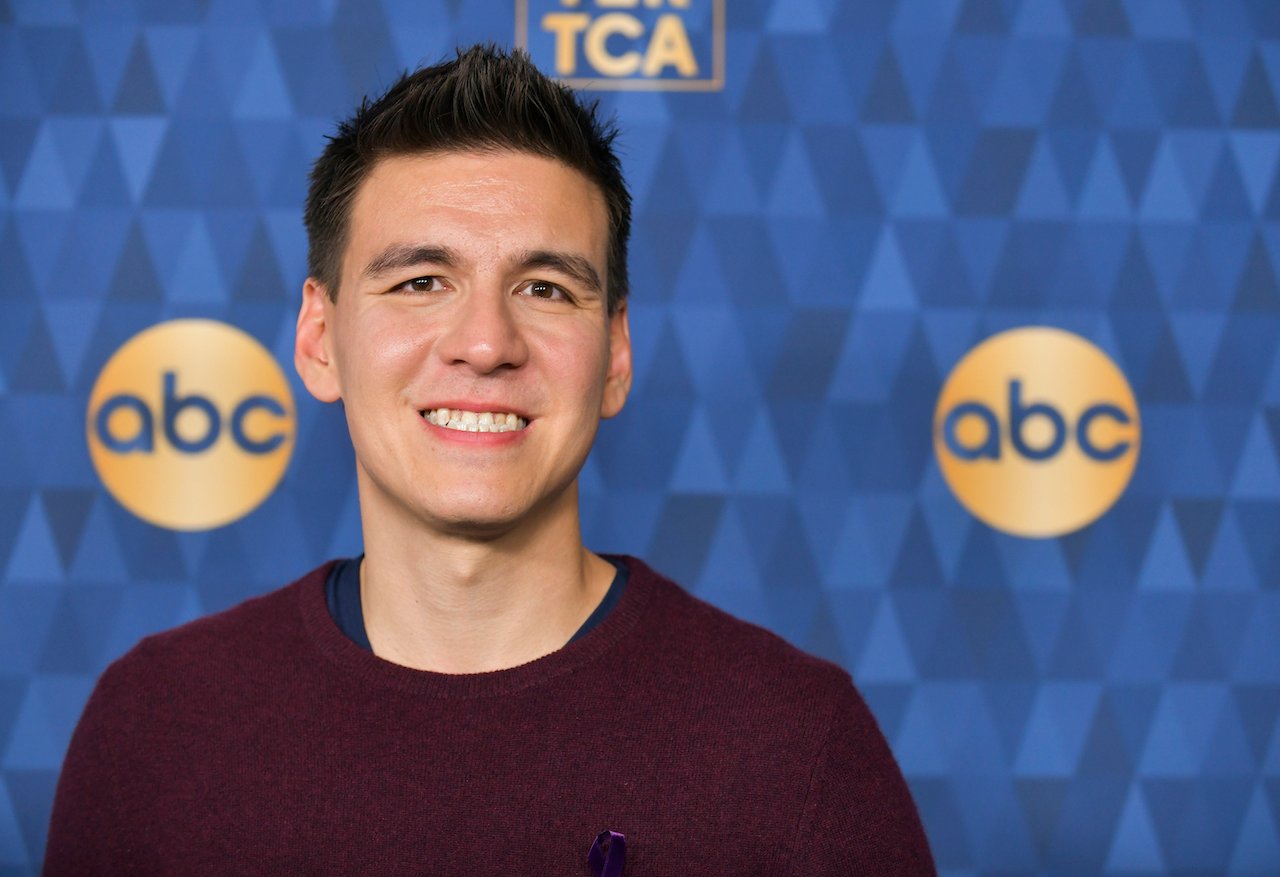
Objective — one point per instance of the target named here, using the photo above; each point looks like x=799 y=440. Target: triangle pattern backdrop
x=879 y=186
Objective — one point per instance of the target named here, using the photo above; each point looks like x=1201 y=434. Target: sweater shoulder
x=715 y=644
x=253 y=632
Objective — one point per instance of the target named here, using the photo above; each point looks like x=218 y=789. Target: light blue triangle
x=733 y=189
x=760 y=469
x=856 y=560
x=799 y=17
x=1198 y=153
x=919 y=190
x=34 y=556
x=76 y=141
x=1256 y=154
x=1227 y=566
x=1045 y=18
x=197 y=274
x=698 y=468
x=1056 y=730
x=794 y=192
x=887 y=149
x=39 y=735
x=1166 y=567
x=885 y=657
x=1257 y=849
x=97 y=557
x=263 y=93
x=138 y=143
x=1043 y=195
x=1104 y=195
x=172 y=48
x=71 y=326
x=44 y=184
x=1198 y=336
x=1257 y=476
x=1166 y=198
x=887 y=285
x=916 y=745
x=729 y=561
x=1135 y=846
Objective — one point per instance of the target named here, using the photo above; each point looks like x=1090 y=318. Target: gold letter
x=669 y=46
x=594 y=44
x=566 y=26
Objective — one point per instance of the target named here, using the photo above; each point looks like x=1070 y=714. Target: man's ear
x=313 y=343
x=618 y=378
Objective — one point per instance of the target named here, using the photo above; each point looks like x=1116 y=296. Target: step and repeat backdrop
x=955 y=325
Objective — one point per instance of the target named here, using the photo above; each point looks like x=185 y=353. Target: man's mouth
x=474 y=421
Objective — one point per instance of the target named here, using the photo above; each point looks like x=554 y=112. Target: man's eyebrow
x=575 y=266
x=399 y=256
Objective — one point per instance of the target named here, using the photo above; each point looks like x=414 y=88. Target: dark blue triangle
x=139 y=92
x=888 y=100
x=1256 y=105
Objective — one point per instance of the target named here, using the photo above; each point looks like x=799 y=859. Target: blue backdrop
x=877 y=187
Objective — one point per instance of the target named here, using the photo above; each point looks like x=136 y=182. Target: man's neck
x=453 y=603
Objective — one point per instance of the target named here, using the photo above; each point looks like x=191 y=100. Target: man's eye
x=544 y=289
x=421 y=284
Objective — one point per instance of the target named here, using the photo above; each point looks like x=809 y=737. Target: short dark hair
x=485 y=99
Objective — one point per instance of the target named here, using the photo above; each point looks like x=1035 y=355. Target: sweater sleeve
x=87 y=829
x=859 y=818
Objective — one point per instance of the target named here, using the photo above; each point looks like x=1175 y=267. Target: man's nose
x=484 y=333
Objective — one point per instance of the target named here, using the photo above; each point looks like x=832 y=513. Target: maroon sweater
x=263 y=741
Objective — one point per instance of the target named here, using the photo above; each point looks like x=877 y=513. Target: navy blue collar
x=342 y=593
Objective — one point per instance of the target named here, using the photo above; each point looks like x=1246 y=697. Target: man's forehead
x=460 y=184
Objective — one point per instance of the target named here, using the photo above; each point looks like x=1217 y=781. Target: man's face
x=472 y=297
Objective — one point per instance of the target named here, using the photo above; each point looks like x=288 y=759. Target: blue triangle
x=885 y=656
x=1256 y=104
x=1257 y=848
x=1258 y=475
x=1043 y=19
x=888 y=100
x=1135 y=845
x=34 y=556
x=1166 y=197
x=137 y=145
x=1103 y=196
x=263 y=93
x=1227 y=565
x=1256 y=154
x=39 y=735
x=1166 y=566
x=139 y=92
x=729 y=560
x=1197 y=336
x=733 y=189
x=887 y=149
x=98 y=557
x=1043 y=195
x=887 y=285
x=794 y=192
x=698 y=467
x=919 y=191
x=45 y=184
x=197 y=274
x=760 y=469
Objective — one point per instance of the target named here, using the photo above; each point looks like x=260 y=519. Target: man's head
x=485 y=100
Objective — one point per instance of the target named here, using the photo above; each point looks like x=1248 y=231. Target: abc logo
x=191 y=424
x=1037 y=432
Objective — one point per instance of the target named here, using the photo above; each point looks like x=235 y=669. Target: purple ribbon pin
x=608 y=854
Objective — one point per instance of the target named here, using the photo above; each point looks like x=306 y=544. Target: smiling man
x=478 y=693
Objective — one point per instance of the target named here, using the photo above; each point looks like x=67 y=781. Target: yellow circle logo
x=191 y=424
x=1036 y=432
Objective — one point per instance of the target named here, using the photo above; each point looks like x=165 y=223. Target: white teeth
x=475 y=421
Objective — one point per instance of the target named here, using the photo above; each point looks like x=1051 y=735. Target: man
x=479 y=693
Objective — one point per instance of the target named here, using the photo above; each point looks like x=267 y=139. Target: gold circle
x=185 y=489
x=1009 y=490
